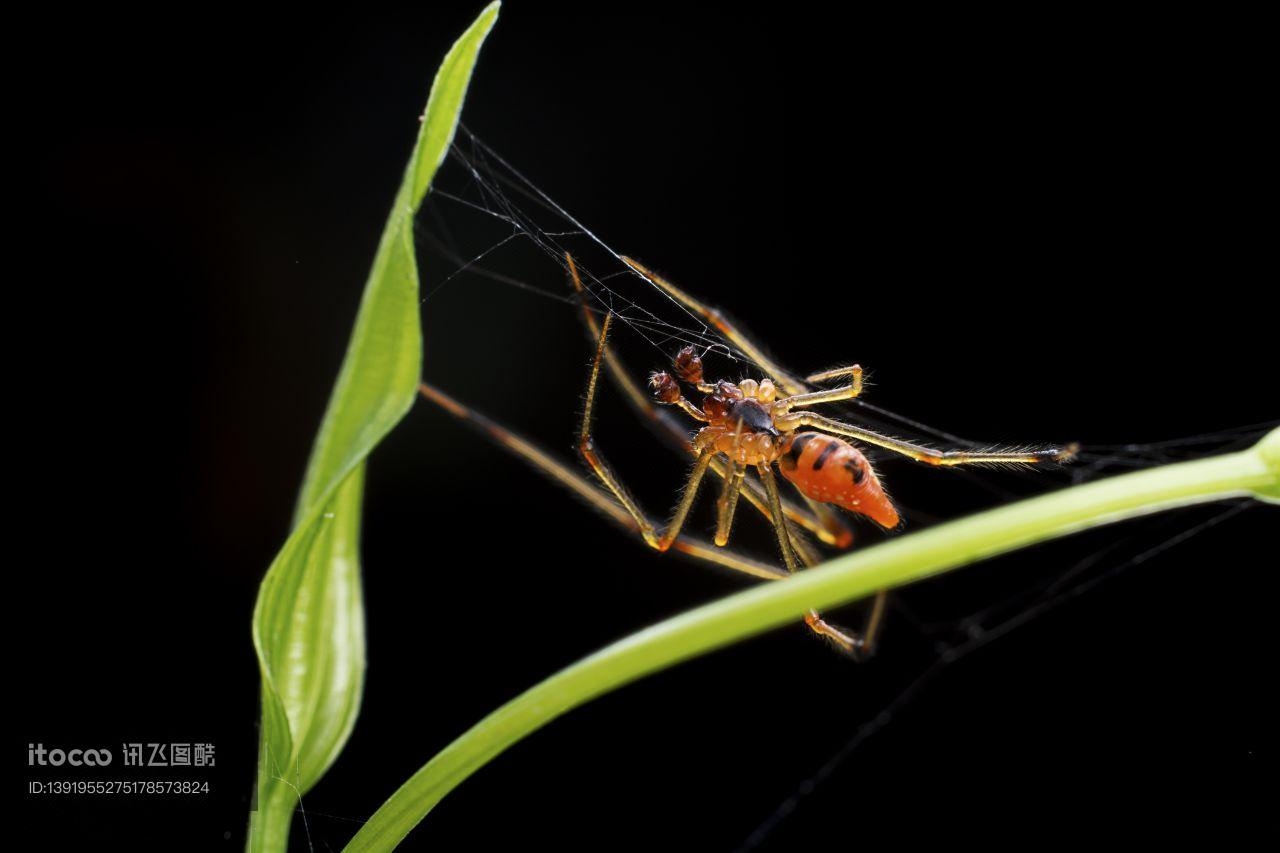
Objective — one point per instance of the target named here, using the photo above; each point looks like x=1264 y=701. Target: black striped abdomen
x=831 y=470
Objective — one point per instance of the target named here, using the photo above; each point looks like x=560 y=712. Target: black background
x=1030 y=230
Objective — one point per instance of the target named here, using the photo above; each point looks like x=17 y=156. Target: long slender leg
x=584 y=488
x=821 y=522
x=779 y=527
x=621 y=377
x=853 y=371
x=780 y=377
x=859 y=648
x=830 y=395
x=927 y=455
x=871 y=628
x=729 y=503
x=586 y=447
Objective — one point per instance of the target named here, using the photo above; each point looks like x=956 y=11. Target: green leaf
x=308 y=623
x=1250 y=473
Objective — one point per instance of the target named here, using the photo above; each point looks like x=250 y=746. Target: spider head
x=721 y=400
x=729 y=405
x=752 y=416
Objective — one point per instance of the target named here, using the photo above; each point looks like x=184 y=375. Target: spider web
x=482 y=210
x=508 y=213
x=492 y=188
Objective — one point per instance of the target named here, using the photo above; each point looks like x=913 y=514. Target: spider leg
x=780 y=377
x=728 y=503
x=588 y=491
x=587 y=449
x=634 y=521
x=920 y=453
x=822 y=523
x=640 y=401
x=859 y=647
x=831 y=395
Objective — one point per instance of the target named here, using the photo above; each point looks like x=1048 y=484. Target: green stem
x=270 y=821
x=1251 y=473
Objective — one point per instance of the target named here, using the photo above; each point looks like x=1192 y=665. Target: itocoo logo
x=37 y=754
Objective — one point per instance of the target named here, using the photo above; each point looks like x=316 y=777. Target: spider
x=751 y=425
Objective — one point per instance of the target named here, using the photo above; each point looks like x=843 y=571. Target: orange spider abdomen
x=832 y=471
